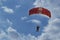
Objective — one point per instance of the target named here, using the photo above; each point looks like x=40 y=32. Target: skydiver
x=37 y=28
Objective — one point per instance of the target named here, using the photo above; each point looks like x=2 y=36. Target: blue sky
x=15 y=20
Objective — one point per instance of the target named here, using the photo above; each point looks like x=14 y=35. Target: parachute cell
x=40 y=10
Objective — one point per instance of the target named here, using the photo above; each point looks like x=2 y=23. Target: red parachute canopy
x=40 y=10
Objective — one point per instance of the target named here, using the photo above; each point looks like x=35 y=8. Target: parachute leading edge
x=40 y=10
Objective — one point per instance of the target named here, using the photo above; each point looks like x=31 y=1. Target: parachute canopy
x=40 y=10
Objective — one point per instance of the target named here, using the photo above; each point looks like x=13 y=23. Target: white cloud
x=2 y=34
x=50 y=32
x=5 y=23
x=7 y=32
x=37 y=3
x=24 y=18
x=34 y=21
x=10 y=34
x=18 y=6
x=14 y=35
x=10 y=29
x=9 y=22
x=8 y=10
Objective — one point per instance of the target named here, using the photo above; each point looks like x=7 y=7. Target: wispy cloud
x=34 y=21
x=51 y=32
x=14 y=35
x=24 y=18
x=18 y=6
x=10 y=34
x=8 y=10
x=9 y=22
x=11 y=29
x=37 y=3
x=5 y=23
